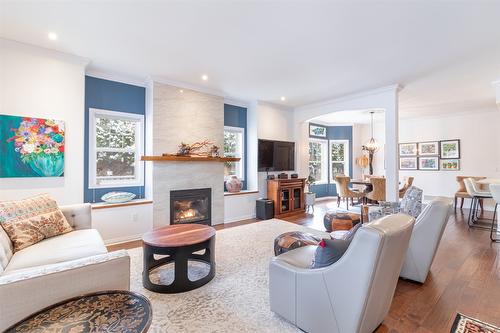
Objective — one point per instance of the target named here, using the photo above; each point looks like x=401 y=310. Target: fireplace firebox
x=191 y=206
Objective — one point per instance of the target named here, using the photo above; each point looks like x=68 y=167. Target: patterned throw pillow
x=31 y=220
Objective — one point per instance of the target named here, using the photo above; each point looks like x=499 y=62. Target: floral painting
x=450 y=148
x=450 y=165
x=31 y=147
x=408 y=163
x=428 y=148
x=408 y=149
x=428 y=163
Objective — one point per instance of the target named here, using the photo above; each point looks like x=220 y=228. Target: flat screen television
x=276 y=155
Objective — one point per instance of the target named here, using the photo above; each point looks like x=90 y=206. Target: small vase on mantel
x=233 y=184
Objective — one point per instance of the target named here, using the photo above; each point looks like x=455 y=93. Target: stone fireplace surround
x=185 y=116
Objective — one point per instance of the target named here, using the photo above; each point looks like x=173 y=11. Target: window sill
x=104 y=205
x=229 y=194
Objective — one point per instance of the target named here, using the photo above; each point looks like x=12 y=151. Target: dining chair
x=378 y=192
x=477 y=196
x=495 y=193
x=344 y=192
x=406 y=186
x=462 y=191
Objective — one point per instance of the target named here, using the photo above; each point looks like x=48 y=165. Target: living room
x=212 y=167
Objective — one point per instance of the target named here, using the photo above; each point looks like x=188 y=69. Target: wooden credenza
x=287 y=194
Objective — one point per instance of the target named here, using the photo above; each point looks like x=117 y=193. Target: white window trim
x=242 y=160
x=346 y=158
x=324 y=160
x=139 y=150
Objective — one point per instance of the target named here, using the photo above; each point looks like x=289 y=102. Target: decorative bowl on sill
x=233 y=184
x=117 y=197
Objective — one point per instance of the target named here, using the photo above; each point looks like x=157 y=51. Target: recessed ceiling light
x=181 y=91
x=283 y=98
x=52 y=36
x=204 y=77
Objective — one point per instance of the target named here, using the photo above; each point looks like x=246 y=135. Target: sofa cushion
x=70 y=246
x=31 y=220
x=5 y=250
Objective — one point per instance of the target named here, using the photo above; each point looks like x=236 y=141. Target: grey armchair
x=425 y=239
x=352 y=295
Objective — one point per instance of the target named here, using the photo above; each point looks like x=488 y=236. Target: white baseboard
x=124 y=239
x=240 y=218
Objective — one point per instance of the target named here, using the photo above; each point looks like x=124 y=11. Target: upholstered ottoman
x=293 y=240
x=335 y=221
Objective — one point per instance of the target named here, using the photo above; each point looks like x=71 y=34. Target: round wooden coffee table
x=178 y=242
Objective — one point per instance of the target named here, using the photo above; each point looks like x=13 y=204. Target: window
x=339 y=158
x=115 y=149
x=234 y=146
x=318 y=160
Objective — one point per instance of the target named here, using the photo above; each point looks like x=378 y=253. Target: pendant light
x=372 y=145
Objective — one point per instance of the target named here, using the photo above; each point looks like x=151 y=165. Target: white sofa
x=58 y=268
x=425 y=239
x=352 y=295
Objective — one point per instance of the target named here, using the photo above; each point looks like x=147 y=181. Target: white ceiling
x=444 y=53
x=349 y=117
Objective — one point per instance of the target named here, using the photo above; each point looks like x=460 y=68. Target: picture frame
x=408 y=149
x=317 y=131
x=429 y=148
x=449 y=149
x=430 y=163
x=452 y=164
x=408 y=163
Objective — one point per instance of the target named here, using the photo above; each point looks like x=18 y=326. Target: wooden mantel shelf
x=175 y=158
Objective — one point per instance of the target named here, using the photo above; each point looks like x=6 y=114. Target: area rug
x=237 y=299
x=464 y=324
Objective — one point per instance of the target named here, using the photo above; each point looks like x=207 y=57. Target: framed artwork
x=428 y=163
x=450 y=148
x=408 y=149
x=31 y=147
x=319 y=131
x=428 y=148
x=450 y=165
x=408 y=163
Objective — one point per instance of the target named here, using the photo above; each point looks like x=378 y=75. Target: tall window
x=234 y=146
x=115 y=149
x=318 y=160
x=339 y=158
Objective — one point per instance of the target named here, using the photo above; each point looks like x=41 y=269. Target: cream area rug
x=237 y=299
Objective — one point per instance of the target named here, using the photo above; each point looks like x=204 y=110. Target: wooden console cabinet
x=287 y=194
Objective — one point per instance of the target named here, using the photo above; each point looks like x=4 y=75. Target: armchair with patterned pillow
x=411 y=204
x=40 y=273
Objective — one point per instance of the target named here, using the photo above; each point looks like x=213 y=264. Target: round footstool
x=340 y=221
x=293 y=240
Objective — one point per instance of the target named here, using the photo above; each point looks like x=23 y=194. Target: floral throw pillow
x=31 y=220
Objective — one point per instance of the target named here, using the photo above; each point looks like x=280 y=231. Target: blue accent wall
x=334 y=133
x=236 y=116
x=113 y=96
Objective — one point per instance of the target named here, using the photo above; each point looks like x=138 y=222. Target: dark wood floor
x=465 y=277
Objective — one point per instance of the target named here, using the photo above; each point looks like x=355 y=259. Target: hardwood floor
x=465 y=277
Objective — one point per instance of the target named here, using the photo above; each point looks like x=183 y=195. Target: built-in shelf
x=175 y=158
x=103 y=205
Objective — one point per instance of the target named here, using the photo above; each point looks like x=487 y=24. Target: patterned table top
x=108 y=311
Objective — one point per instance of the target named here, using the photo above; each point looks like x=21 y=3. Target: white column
x=391 y=148
x=252 y=137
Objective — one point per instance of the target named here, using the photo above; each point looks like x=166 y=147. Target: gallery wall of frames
x=430 y=155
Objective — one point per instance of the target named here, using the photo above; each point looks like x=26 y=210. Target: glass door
x=285 y=201
x=297 y=198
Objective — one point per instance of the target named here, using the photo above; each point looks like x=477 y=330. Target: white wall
x=479 y=147
x=41 y=83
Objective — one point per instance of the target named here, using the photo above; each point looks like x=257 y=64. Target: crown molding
x=117 y=77
x=391 y=88
x=42 y=51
